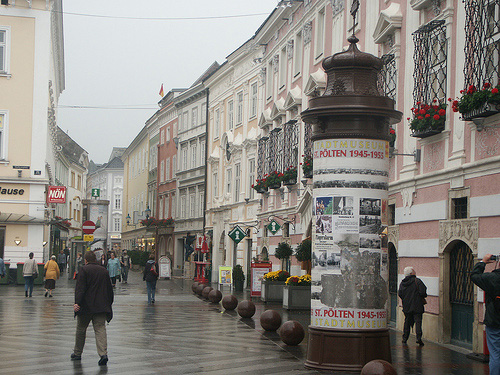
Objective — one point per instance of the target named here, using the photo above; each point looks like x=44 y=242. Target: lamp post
x=350 y=191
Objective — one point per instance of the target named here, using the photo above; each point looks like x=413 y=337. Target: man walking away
x=490 y=283
x=30 y=273
x=61 y=261
x=412 y=292
x=150 y=275
x=93 y=300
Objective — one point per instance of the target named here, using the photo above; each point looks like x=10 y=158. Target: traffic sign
x=273 y=226
x=88 y=237
x=237 y=234
x=96 y=193
x=88 y=227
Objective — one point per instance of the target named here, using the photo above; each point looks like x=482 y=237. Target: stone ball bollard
x=199 y=289
x=229 y=302
x=246 y=309
x=292 y=333
x=215 y=296
x=194 y=286
x=270 y=320
x=206 y=291
x=378 y=367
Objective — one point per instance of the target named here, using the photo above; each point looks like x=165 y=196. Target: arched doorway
x=161 y=246
x=393 y=281
x=461 y=294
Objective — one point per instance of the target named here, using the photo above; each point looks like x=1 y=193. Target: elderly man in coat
x=93 y=300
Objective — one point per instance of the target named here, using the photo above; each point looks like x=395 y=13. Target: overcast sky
x=113 y=59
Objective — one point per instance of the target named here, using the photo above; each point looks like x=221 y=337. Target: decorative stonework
x=487 y=143
x=307 y=3
x=276 y=60
x=389 y=41
x=436 y=7
x=465 y=230
x=337 y=6
x=307 y=32
x=407 y=195
x=289 y=49
x=393 y=234
x=262 y=75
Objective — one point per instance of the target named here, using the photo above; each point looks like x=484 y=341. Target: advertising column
x=349 y=292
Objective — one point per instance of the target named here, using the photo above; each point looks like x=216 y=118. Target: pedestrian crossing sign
x=273 y=226
x=237 y=234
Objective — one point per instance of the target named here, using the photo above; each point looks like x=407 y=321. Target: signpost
x=88 y=227
x=237 y=234
x=56 y=194
x=273 y=226
x=96 y=193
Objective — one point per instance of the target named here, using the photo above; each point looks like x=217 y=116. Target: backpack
x=153 y=270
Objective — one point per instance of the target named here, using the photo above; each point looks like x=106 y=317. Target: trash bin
x=5 y=280
x=39 y=279
x=20 y=278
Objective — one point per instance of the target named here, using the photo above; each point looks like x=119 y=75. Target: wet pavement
x=180 y=334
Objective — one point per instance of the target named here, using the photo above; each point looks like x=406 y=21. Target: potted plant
x=290 y=176
x=392 y=141
x=273 y=180
x=427 y=119
x=307 y=166
x=284 y=252
x=238 y=278
x=297 y=292
x=272 y=286
x=477 y=103
x=303 y=254
x=260 y=185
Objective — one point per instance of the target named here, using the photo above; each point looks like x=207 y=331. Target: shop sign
x=56 y=194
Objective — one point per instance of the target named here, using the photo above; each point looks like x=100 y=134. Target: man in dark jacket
x=150 y=275
x=412 y=292
x=93 y=300
x=490 y=283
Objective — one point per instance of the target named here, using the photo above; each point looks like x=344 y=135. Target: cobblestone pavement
x=180 y=334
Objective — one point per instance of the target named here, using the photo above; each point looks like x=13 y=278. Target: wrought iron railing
x=276 y=150
x=263 y=152
x=290 y=144
x=387 y=76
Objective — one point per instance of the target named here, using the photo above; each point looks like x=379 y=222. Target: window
x=297 y=58
x=237 y=180
x=162 y=134
x=202 y=152
x=217 y=124
x=392 y=214
x=117 y=224
x=254 y=103
x=79 y=183
x=4 y=49
x=168 y=135
x=215 y=182
x=430 y=63
x=203 y=113
x=185 y=118
x=162 y=171
x=3 y=135
x=229 y=177
x=201 y=200
x=239 y=108
x=269 y=78
x=251 y=176
x=194 y=117
x=192 y=205
x=167 y=207
x=388 y=76
x=161 y=215
x=194 y=153
x=184 y=157
x=320 y=33
x=174 y=207
x=183 y=206
x=174 y=165
x=282 y=71
x=118 y=201
x=72 y=180
x=230 y=118
x=460 y=208
x=167 y=169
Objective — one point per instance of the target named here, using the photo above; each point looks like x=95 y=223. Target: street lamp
x=128 y=219
x=147 y=212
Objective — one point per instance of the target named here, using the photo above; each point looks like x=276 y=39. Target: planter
x=292 y=181
x=308 y=174
x=261 y=190
x=486 y=110
x=424 y=133
x=272 y=291
x=276 y=185
x=297 y=297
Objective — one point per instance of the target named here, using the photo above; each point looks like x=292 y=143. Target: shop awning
x=11 y=218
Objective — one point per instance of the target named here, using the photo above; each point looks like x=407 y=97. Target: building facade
x=31 y=80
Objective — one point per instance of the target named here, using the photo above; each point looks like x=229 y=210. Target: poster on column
x=349 y=274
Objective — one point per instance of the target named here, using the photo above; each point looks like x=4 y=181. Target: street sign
x=273 y=226
x=56 y=194
x=96 y=193
x=88 y=237
x=88 y=227
x=237 y=234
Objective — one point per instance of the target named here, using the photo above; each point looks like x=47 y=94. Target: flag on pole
x=161 y=91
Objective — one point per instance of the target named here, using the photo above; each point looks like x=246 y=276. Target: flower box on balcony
x=261 y=189
x=272 y=291
x=290 y=182
x=428 y=132
x=485 y=110
x=297 y=297
x=275 y=185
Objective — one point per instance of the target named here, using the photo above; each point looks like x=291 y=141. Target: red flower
x=442 y=112
x=427 y=115
x=392 y=131
x=450 y=99
x=486 y=85
x=420 y=117
x=408 y=118
x=436 y=117
x=494 y=91
x=422 y=111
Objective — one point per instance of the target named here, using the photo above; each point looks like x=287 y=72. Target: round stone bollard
x=194 y=286
x=229 y=302
x=270 y=320
x=292 y=333
x=246 y=309
x=378 y=367
x=215 y=296
x=206 y=291
x=199 y=289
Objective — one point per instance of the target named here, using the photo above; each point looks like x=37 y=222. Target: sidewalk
x=180 y=334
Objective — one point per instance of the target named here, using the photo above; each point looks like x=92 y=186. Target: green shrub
x=238 y=273
x=138 y=257
x=283 y=251
x=303 y=251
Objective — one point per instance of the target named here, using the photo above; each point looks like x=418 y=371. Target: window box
x=297 y=297
x=272 y=291
x=290 y=182
x=428 y=132
x=261 y=189
x=485 y=110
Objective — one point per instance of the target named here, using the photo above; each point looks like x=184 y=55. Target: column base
x=346 y=350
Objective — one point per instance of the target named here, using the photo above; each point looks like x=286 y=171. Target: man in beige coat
x=30 y=273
